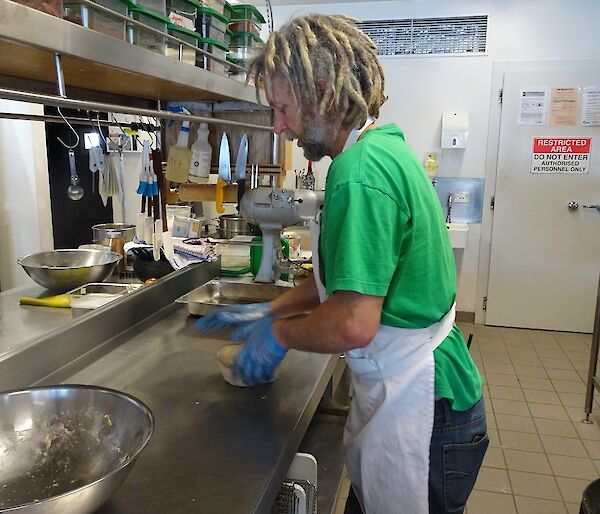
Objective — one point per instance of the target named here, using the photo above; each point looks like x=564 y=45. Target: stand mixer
x=273 y=209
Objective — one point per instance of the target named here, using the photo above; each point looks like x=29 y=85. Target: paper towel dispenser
x=455 y=129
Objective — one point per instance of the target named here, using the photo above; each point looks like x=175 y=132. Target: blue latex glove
x=233 y=315
x=261 y=354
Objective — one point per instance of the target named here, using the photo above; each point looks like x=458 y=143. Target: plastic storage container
x=217 y=5
x=227 y=12
x=215 y=48
x=144 y=38
x=245 y=26
x=159 y=6
x=244 y=45
x=235 y=73
x=188 y=55
x=93 y=19
x=183 y=13
x=53 y=7
x=211 y=24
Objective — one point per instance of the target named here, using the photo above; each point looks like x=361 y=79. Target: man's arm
x=346 y=320
x=297 y=300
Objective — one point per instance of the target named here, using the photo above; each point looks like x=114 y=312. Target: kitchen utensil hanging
x=74 y=191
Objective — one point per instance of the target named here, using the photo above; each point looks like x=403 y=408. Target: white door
x=545 y=257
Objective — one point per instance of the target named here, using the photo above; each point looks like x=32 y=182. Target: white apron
x=388 y=431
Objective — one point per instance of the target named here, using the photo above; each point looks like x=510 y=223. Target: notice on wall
x=563 y=106
x=533 y=105
x=590 y=108
x=561 y=155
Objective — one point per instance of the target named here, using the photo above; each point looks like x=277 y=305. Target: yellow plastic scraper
x=60 y=300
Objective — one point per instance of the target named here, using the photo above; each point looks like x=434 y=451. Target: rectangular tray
x=217 y=293
x=97 y=294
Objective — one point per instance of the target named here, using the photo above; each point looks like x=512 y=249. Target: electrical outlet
x=463 y=197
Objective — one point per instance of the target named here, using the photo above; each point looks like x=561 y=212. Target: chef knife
x=240 y=169
x=224 y=172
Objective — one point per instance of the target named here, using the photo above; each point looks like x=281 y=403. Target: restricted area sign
x=561 y=155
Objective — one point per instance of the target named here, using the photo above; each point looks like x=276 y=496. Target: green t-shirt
x=383 y=234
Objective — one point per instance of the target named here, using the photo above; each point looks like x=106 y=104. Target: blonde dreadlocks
x=317 y=50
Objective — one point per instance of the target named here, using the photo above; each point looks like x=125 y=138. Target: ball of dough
x=225 y=358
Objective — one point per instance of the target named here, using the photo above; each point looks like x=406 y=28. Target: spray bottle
x=201 y=156
x=180 y=156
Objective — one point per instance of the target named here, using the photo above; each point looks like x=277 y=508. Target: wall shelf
x=97 y=62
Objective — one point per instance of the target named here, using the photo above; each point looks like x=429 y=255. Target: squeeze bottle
x=201 y=156
x=178 y=160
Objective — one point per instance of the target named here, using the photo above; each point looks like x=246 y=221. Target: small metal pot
x=99 y=231
x=231 y=225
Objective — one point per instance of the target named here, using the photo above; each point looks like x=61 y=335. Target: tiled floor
x=541 y=456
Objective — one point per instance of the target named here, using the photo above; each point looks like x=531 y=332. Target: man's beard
x=316 y=139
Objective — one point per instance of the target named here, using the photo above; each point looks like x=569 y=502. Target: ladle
x=74 y=191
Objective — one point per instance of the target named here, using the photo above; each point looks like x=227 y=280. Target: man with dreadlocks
x=384 y=285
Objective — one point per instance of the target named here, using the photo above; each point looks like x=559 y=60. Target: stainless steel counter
x=21 y=324
x=216 y=449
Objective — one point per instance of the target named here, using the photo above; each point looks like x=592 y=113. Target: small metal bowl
x=63 y=270
x=66 y=449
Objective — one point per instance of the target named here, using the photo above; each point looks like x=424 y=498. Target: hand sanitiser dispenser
x=455 y=129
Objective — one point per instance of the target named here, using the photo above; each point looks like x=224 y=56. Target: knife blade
x=224 y=172
x=240 y=168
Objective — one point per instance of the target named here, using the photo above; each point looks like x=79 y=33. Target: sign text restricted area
x=561 y=155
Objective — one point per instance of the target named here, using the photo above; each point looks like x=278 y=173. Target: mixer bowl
x=66 y=449
x=63 y=270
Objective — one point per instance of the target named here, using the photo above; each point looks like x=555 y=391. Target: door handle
x=597 y=207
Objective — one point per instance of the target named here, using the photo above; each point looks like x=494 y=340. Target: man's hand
x=261 y=354
x=233 y=315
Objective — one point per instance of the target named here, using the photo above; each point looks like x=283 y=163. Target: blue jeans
x=458 y=444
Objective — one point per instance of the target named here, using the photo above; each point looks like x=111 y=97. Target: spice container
x=183 y=13
x=115 y=241
x=144 y=38
x=85 y=15
x=188 y=55
x=246 y=18
x=53 y=7
x=215 y=48
x=210 y=24
x=244 y=45
x=158 y=6
x=217 y=5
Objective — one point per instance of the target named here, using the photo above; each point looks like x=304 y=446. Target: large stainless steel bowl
x=66 y=449
x=63 y=270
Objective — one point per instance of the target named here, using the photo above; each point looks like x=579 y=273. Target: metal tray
x=97 y=294
x=216 y=293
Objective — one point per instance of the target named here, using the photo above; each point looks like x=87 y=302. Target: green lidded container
x=143 y=38
x=188 y=55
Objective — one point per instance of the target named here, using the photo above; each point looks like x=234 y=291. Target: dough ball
x=225 y=359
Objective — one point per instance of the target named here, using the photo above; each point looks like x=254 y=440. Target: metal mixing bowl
x=66 y=449
x=63 y=270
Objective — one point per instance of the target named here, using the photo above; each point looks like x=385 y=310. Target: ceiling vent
x=429 y=36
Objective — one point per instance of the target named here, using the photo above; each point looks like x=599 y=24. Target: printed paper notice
x=590 y=111
x=552 y=155
x=563 y=106
x=533 y=105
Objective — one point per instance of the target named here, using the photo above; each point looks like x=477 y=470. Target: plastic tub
x=159 y=6
x=244 y=45
x=53 y=7
x=91 y=18
x=245 y=26
x=146 y=39
x=227 y=12
x=210 y=24
x=246 y=12
x=188 y=55
x=215 y=48
x=183 y=13
x=217 y=5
